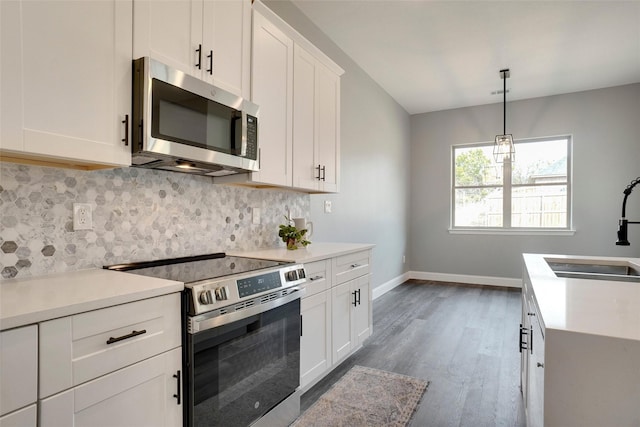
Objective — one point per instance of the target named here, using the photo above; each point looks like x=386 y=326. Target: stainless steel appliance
x=241 y=345
x=184 y=124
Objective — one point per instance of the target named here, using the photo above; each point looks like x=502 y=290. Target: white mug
x=302 y=224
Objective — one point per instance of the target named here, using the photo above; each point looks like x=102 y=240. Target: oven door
x=240 y=370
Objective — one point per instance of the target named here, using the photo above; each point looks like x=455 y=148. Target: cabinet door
x=315 y=342
x=305 y=149
x=271 y=89
x=342 y=300
x=18 y=368
x=170 y=31
x=328 y=127
x=535 y=395
x=362 y=310
x=227 y=32
x=144 y=394
x=66 y=79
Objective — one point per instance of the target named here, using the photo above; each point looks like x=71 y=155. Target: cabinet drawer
x=79 y=348
x=348 y=267
x=318 y=277
x=18 y=368
x=25 y=417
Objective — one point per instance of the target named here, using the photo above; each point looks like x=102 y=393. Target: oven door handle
x=207 y=320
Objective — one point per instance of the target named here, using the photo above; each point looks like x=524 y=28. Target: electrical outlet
x=327 y=206
x=255 y=212
x=404 y=259
x=82 y=219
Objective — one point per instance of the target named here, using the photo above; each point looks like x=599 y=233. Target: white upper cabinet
x=66 y=81
x=209 y=39
x=297 y=88
x=316 y=138
x=272 y=90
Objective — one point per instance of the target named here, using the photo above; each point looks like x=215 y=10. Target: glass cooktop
x=195 y=268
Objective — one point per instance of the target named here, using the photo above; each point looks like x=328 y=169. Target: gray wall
x=372 y=206
x=605 y=125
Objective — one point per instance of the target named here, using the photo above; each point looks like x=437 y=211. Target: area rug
x=366 y=397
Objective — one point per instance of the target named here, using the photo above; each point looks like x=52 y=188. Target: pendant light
x=503 y=147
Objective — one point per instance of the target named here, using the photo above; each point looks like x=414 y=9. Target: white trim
x=464 y=278
x=382 y=289
x=514 y=231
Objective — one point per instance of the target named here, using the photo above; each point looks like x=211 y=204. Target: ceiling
x=438 y=55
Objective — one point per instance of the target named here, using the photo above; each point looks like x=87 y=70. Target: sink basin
x=624 y=272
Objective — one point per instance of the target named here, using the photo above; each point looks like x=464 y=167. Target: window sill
x=514 y=231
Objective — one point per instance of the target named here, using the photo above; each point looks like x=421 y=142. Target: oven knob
x=221 y=294
x=206 y=297
x=292 y=275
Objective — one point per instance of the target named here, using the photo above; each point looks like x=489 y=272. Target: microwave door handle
x=238 y=131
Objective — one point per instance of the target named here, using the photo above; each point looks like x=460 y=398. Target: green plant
x=292 y=236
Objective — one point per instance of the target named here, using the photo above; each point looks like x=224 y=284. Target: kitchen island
x=580 y=344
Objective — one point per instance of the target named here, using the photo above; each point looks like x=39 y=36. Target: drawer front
x=18 y=368
x=351 y=266
x=318 y=277
x=79 y=348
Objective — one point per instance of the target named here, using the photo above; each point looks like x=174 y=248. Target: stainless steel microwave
x=184 y=124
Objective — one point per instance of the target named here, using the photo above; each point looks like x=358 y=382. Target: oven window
x=182 y=116
x=242 y=370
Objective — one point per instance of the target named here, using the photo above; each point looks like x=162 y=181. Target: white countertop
x=313 y=252
x=36 y=299
x=597 y=307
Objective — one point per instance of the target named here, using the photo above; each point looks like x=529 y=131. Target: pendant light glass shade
x=503 y=147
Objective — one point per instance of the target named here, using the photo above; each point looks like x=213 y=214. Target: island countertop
x=598 y=307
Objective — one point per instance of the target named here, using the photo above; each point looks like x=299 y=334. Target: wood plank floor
x=461 y=338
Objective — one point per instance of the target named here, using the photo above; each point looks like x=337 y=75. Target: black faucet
x=623 y=223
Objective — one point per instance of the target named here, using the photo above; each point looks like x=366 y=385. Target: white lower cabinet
x=336 y=313
x=144 y=394
x=116 y=366
x=315 y=342
x=18 y=369
x=25 y=417
x=350 y=315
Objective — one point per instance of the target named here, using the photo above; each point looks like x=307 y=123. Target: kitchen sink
x=624 y=272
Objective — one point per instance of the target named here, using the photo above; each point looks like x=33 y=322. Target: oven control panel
x=230 y=290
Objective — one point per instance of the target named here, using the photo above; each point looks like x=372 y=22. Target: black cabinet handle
x=318 y=177
x=324 y=173
x=178 y=394
x=359 y=303
x=199 y=50
x=210 y=56
x=355 y=298
x=112 y=340
x=531 y=340
x=125 y=122
x=523 y=344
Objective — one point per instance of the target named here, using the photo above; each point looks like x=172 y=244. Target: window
x=531 y=192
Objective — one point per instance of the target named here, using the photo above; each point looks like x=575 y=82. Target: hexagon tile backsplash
x=138 y=215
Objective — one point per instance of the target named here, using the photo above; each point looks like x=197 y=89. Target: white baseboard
x=464 y=278
x=378 y=291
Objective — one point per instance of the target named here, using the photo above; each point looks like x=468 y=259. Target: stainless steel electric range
x=241 y=339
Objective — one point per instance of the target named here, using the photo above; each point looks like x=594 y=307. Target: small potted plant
x=292 y=236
